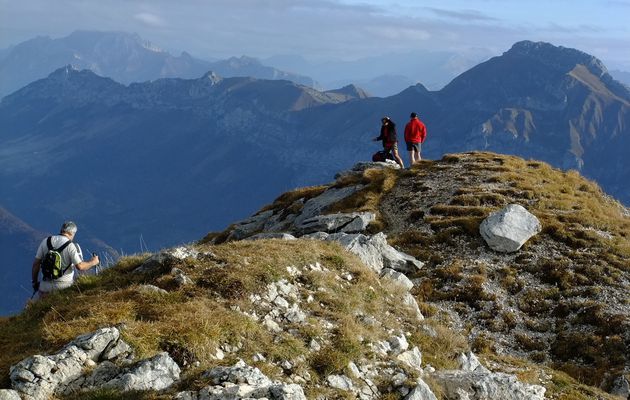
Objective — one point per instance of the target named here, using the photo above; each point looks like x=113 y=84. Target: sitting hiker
x=56 y=258
x=390 y=141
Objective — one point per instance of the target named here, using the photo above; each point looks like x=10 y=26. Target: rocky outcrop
x=241 y=381
x=373 y=251
x=486 y=386
x=8 y=394
x=317 y=205
x=508 y=229
x=359 y=167
x=473 y=381
x=340 y=222
x=103 y=353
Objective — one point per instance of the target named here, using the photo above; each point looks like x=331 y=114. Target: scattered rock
x=156 y=373
x=180 y=277
x=411 y=358
x=470 y=362
x=151 y=289
x=508 y=229
x=373 y=251
x=250 y=225
x=340 y=382
x=340 y=222
x=486 y=386
x=317 y=205
x=242 y=382
x=8 y=394
x=421 y=392
x=272 y=235
x=40 y=377
x=621 y=387
x=397 y=277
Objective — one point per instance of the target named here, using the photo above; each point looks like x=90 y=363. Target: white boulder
x=508 y=229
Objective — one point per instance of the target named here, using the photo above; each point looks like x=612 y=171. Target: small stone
x=340 y=382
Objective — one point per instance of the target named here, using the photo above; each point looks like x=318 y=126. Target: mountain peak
x=351 y=91
x=558 y=56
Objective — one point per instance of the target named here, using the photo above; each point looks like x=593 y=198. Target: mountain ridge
x=313 y=312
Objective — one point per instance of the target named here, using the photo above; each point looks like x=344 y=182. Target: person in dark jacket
x=390 y=141
x=415 y=134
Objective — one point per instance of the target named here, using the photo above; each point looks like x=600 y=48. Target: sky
x=333 y=29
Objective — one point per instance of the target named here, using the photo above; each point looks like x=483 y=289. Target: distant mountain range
x=166 y=161
x=621 y=76
x=128 y=58
x=388 y=74
x=124 y=57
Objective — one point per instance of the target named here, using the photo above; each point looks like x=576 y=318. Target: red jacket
x=415 y=131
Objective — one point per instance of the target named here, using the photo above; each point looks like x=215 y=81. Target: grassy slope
x=199 y=318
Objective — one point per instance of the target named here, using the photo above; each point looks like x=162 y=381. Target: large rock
x=486 y=386
x=241 y=381
x=397 y=278
x=373 y=251
x=7 y=394
x=508 y=229
x=39 y=377
x=250 y=225
x=156 y=373
x=88 y=362
x=339 y=222
x=317 y=205
x=422 y=391
x=272 y=235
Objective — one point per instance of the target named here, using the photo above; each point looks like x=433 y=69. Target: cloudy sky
x=342 y=29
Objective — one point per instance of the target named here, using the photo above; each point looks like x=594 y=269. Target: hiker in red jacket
x=415 y=133
x=390 y=141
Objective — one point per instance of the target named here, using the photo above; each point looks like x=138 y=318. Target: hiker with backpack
x=390 y=141
x=415 y=134
x=57 y=257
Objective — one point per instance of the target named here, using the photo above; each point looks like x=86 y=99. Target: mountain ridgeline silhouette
x=170 y=159
x=124 y=57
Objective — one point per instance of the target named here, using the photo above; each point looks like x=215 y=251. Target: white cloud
x=149 y=19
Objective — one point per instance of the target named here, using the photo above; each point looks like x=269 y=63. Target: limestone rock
x=272 y=235
x=39 y=377
x=340 y=222
x=422 y=391
x=358 y=168
x=151 y=289
x=411 y=358
x=241 y=381
x=157 y=261
x=156 y=373
x=486 y=386
x=397 y=277
x=8 y=394
x=469 y=362
x=317 y=205
x=373 y=251
x=340 y=382
x=621 y=387
x=238 y=374
x=508 y=229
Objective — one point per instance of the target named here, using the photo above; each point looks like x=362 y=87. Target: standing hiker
x=415 y=134
x=57 y=257
x=390 y=141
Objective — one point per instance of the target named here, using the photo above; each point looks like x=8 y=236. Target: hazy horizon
x=320 y=30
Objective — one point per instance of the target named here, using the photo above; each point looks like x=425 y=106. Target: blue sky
x=320 y=29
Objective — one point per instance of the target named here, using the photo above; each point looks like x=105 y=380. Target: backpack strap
x=63 y=246
x=49 y=243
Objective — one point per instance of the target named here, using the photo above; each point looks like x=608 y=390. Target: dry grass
x=195 y=320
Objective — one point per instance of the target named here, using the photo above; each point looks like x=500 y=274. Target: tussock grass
x=194 y=320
